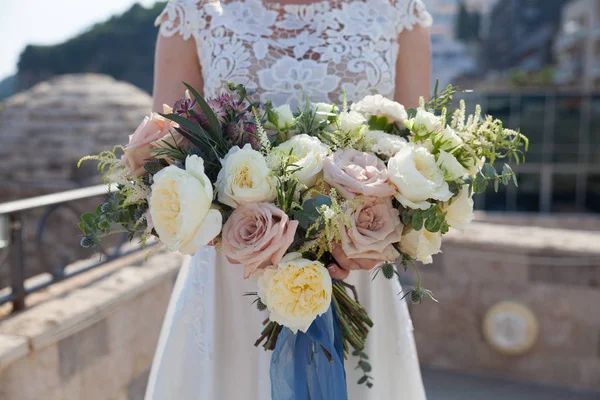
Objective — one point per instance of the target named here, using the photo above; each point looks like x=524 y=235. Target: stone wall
x=554 y=273
x=91 y=341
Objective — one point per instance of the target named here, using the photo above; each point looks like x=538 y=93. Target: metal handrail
x=12 y=219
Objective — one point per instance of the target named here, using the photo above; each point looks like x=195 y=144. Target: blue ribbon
x=300 y=370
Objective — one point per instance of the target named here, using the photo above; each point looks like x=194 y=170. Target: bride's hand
x=344 y=265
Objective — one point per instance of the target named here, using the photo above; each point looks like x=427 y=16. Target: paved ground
x=444 y=385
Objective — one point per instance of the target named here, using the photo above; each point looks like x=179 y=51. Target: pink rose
x=149 y=135
x=353 y=173
x=257 y=235
x=375 y=226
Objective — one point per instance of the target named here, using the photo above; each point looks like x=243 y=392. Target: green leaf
x=433 y=225
x=380 y=124
x=213 y=121
x=496 y=185
x=356 y=353
x=309 y=214
x=480 y=184
x=365 y=366
x=362 y=380
x=88 y=223
x=417 y=222
x=489 y=171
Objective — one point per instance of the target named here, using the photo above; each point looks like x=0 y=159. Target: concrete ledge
x=11 y=349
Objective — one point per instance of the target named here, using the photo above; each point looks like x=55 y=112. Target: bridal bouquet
x=277 y=189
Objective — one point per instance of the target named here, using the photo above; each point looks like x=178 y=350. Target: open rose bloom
x=278 y=188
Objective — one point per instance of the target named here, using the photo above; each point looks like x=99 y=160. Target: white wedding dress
x=206 y=347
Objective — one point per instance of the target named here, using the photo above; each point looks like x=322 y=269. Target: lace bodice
x=321 y=48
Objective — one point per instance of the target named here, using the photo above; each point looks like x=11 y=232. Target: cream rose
x=424 y=123
x=353 y=173
x=149 y=135
x=296 y=292
x=379 y=106
x=285 y=117
x=385 y=144
x=375 y=226
x=459 y=210
x=180 y=207
x=257 y=235
x=245 y=178
x=421 y=245
x=416 y=175
x=308 y=153
x=450 y=166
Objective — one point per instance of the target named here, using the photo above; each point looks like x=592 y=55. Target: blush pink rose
x=257 y=235
x=149 y=135
x=375 y=226
x=353 y=173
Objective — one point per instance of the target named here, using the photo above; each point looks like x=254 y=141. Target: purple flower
x=183 y=106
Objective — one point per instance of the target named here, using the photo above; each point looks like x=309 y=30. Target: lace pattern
x=322 y=48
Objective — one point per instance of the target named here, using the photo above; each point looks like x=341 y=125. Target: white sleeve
x=412 y=12
x=184 y=17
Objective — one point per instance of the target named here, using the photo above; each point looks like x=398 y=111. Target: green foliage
x=489 y=174
x=365 y=367
x=122 y=47
x=432 y=219
x=310 y=214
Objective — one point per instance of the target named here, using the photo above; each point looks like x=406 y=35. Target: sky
x=24 y=22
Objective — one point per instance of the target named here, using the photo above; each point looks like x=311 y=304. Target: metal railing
x=12 y=242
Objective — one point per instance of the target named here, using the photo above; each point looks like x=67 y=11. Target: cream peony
x=459 y=211
x=285 y=117
x=424 y=123
x=417 y=177
x=421 y=245
x=450 y=166
x=308 y=153
x=379 y=106
x=245 y=178
x=296 y=292
x=384 y=144
x=180 y=207
x=448 y=139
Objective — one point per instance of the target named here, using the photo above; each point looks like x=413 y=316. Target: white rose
x=459 y=211
x=379 y=106
x=308 y=153
x=417 y=177
x=350 y=121
x=285 y=117
x=448 y=139
x=296 y=292
x=180 y=207
x=421 y=245
x=450 y=165
x=385 y=144
x=323 y=111
x=245 y=178
x=424 y=123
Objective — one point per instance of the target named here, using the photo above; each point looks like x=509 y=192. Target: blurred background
x=518 y=291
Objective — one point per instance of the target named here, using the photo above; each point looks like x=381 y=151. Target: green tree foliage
x=122 y=47
x=467 y=24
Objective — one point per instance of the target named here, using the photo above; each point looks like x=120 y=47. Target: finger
x=366 y=263
x=343 y=260
x=337 y=273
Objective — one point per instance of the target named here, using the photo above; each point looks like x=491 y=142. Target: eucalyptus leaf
x=417 y=222
x=489 y=171
x=362 y=380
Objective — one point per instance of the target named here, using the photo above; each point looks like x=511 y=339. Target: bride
x=324 y=47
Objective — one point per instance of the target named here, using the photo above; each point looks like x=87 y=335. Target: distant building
x=520 y=34
x=577 y=46
x=450 y=57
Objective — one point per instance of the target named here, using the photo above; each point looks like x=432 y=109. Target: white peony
x=350 y=121
x=421 y=245
x=285 y=117
x=448 y=139
x=459 y=211
x=245 y=178
x=450 y=165
x=308 y=153
x=323 y=111
x=417 y=177
x=424 y=123
x=385 y=144
x=379 y=106
x=180 y=207
x=296 y=292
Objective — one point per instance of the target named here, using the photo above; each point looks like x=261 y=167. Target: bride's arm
x=413 y=67
x=175 y=61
